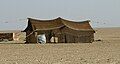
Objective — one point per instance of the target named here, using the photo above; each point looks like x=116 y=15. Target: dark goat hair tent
x=64 y=30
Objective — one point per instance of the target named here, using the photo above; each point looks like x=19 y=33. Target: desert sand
x=106 y=51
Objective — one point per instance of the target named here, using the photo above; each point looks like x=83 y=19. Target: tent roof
x=35 y=24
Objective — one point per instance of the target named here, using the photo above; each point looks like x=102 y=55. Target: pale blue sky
x=102 y=13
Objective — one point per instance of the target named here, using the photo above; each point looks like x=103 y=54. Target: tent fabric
x=35 y=24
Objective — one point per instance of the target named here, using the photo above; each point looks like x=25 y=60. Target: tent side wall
x=84 y=38
x=31 y=38
x=73 y=36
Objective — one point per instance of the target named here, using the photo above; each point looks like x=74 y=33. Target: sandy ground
x=106 y=51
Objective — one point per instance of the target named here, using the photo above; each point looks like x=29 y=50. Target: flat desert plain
x=105 y=51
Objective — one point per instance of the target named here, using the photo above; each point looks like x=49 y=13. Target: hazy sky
x=102 y=13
